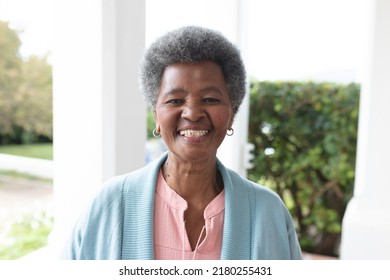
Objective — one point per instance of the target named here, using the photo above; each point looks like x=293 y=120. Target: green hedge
x=305 y=137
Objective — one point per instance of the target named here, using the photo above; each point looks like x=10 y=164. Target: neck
x=196 y=182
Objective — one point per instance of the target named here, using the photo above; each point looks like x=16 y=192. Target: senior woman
x=186 y=204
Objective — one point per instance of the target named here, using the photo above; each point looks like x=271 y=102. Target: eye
x=175 y=101
x=210 y=100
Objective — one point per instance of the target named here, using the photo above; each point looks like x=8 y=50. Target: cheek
x=164 y=119
x=224 y=118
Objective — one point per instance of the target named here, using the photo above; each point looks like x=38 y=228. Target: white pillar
x=232 y=152
x=124 y=110
x=99 y=113
x=366 y=224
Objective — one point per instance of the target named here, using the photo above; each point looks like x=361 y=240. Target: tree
x=25 y=92
x=34 y=105
x=10 y=67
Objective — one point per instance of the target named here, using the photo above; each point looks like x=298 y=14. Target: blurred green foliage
x=150 y=123
x=25 y=93
x=305 y=136
x=24 y=233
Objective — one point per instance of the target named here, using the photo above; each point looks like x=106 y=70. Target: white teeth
x=193 y=133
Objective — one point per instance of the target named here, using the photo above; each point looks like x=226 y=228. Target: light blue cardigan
x=119 y=222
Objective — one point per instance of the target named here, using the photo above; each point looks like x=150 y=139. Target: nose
x=193 y=112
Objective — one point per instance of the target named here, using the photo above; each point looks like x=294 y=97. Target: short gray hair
x=192 y=44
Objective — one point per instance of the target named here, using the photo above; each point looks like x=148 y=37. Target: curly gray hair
x=188 y=45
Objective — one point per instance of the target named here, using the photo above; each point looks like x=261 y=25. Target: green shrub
x=305 y=137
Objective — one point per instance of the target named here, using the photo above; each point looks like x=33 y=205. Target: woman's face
x=193 y=110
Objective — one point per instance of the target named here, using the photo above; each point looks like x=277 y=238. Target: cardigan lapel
x=138 y=212
x=236 y=241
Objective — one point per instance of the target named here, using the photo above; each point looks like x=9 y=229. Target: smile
x=193 y=133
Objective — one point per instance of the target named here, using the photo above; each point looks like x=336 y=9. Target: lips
x=193 y=133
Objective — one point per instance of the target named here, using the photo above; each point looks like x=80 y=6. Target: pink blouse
x=170 y=236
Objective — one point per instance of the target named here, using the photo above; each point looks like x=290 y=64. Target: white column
x=99 y=113
x=366 y=224
x=232 y=152
x=124 y=110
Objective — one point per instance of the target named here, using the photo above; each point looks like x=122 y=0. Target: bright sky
x=289 y=39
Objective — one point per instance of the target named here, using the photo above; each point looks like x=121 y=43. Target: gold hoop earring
x=156 y=133
x=230 y=132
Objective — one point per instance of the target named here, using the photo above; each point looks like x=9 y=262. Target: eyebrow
x=174 y=91
x=211 y=89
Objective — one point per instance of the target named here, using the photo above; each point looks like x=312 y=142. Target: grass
x=20 y=175
x=41 y=151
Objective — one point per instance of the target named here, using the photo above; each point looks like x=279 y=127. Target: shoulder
x=261 y=200
x=254 y=190
x=140 y=181
x=259 y=210
x=124 y=183
x=102 y=221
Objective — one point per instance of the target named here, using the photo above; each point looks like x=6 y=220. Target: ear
x=156 y=120
x=231 y=120
x=154 y=114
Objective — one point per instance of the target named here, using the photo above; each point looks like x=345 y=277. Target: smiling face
x=193 y=110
